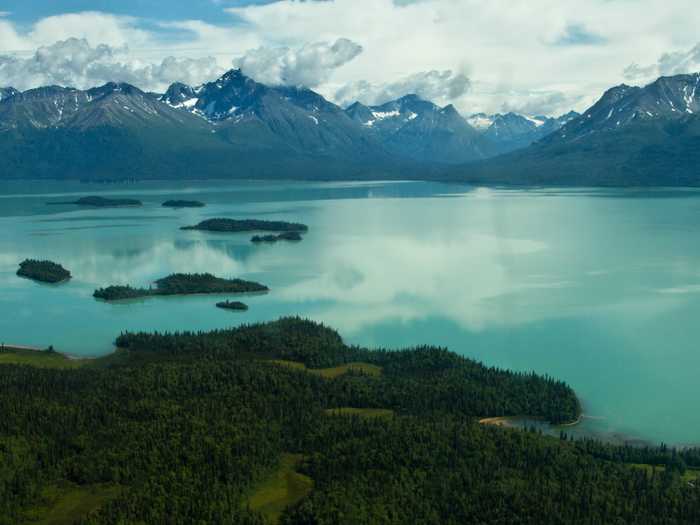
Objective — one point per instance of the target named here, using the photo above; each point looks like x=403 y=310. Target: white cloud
x=537 y=55
x=10 y=39
x=96 y=27
x=669 y=63
x=503 y=46
x=539 y=102
x=73 y=62
x=437 y=86
x=308 y=65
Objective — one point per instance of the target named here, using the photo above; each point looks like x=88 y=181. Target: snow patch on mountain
x=480 y=121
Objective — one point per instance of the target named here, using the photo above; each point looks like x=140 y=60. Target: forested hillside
x=198 y=428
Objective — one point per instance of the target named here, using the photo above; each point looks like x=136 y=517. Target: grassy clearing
x=66 y=503
x=362 y=412
x=283 y=488
x=690 y=475
x=39 y=358
x=336 y=371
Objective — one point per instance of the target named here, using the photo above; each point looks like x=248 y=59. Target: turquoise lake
x=600 y=288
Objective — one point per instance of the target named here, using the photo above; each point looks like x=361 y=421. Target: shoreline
x=572 y=423
x=4 y=347
x=39 y=281
x=510 y=421
x=198 y=294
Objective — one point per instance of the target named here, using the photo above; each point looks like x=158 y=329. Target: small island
x=44 y=271
x=182 y=284
x=102 y=202
x=246 y=225
x=286 y=236
x=182 y=204
x=232 y=305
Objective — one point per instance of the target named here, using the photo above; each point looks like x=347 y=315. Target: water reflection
x=596 y=287
x=378 y=278
x=141 y=265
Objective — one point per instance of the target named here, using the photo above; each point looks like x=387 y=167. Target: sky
x=537 y=57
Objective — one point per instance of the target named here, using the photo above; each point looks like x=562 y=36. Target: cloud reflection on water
x=389 y=277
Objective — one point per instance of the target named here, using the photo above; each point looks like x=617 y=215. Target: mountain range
x=645 y=136
x=237 y=127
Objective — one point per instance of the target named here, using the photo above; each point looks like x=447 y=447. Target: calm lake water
x=600 y=288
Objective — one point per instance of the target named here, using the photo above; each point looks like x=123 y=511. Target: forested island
x=246 y=225
x=232 y=305
x=284 y=423
x=181 y=284
x=287 y=236
x=182 y=204
x=102 y=202
x=44 y=271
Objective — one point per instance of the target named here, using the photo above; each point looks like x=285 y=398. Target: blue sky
x=207 y=10
x=530 y=56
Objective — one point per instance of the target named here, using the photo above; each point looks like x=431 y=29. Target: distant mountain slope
x=234 y=127
x=632 y=136
x=511 y=131
x=7 y=92
x=417 y=129
x=237 y=127
x=288 y=117
x=118 y=105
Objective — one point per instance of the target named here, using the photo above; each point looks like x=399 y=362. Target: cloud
x=669 y=63
x=539 y=102
x=578 y=35
x=510 y=56
x=9 y=37
x=438 y=86
x=73 y=62
x=96 y=27
x=309 y=65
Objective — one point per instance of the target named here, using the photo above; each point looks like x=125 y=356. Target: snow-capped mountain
x=298 y=118
x=511 y=131
x=114 y=104
x=420 y=130
x=668 y=98
x=631 y=136
x=480 y=121
x=235 y=126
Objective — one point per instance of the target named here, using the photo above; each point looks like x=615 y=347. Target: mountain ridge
x=645 y=136
x=237 y=127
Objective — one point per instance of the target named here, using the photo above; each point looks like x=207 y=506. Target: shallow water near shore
x=600 y=288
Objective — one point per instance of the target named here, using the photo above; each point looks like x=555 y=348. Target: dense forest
x=182 y=284
x=246 y=225
x=194 y=427
x=44 y=271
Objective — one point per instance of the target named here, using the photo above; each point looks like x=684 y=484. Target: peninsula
x=181 y=284
x=44 y=271
x=246 y=225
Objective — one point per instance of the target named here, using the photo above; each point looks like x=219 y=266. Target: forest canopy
x=246 y=225
x=182 y=284
x=44 y=271
x=191 y=427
